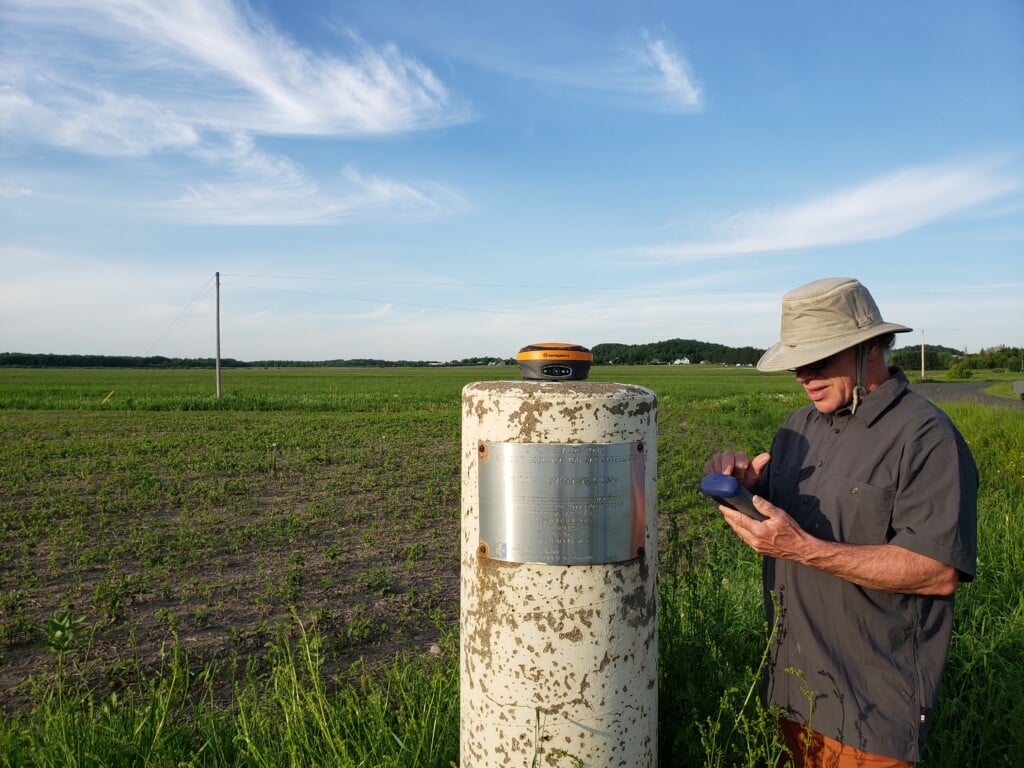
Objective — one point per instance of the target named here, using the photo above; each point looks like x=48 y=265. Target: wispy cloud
x=11 y=191
x=649 y=74
x=250 y=77
x=203 y=80
x=667 y=73
x=879 y=208
x=643 y=71
x=260 y=188
x=96 y=123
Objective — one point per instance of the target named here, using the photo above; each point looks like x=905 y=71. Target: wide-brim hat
x=824 y=317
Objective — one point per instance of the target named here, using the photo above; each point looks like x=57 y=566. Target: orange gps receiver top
x=554 y=361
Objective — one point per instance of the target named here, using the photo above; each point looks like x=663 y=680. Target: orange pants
x=811 y=749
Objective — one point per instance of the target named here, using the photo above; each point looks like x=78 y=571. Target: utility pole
x=922 y=354
x=218 y=335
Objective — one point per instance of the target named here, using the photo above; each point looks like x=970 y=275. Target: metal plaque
x=561 y=504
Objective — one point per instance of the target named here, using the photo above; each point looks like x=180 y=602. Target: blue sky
x=411 y=180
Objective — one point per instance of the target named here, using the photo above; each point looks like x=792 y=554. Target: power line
x=181 y=315
x=576 y=289
x=439 y=283
x=417 y=305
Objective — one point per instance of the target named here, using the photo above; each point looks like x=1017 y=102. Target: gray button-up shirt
x=863 y=666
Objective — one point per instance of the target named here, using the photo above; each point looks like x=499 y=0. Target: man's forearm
x=885 y=567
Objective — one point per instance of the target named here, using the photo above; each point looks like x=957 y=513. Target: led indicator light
x=556 y=370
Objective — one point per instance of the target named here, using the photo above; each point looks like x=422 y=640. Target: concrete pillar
x=559 y=632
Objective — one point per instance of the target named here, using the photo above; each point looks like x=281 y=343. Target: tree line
x=937 y=358
x=673 y=350
x=36 y=360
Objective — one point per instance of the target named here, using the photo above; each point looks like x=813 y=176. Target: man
x=870 y=497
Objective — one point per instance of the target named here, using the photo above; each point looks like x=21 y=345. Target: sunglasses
x=817 y=365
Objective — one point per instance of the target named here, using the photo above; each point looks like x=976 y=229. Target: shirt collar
x=876 y=403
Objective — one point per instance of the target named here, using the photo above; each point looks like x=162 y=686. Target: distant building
x=681 y=361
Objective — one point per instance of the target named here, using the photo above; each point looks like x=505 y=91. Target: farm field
x=150 y=533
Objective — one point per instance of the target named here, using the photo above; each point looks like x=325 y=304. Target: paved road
x=964 y=390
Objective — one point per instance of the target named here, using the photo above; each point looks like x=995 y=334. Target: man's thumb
x=760 y=461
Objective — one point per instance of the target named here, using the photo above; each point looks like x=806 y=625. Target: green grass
x=191 y=581
x=401 y=715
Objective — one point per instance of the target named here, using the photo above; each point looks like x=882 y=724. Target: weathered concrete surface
x=558 y=663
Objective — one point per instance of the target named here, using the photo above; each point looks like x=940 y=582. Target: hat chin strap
x=859 y=391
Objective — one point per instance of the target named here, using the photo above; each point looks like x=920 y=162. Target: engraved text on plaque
x=561 y=504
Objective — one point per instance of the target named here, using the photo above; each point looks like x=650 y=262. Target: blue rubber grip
x=726 y=489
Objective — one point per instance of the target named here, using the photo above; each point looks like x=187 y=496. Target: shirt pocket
x=860 y=513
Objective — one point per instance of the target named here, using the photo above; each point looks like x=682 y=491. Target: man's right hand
x=739 y=465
